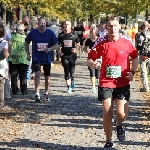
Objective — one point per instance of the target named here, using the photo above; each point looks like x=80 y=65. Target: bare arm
x=86 y=49
x=5 y=52
x=77 y=46
x=9 y=45
x=27 y=48
x=135 y=63
x=93 y=64
x=130 y=74
x=55 y=47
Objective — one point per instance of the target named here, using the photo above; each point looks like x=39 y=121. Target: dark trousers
x=21 y=70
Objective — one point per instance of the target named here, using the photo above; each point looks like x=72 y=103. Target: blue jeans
x=29 y=72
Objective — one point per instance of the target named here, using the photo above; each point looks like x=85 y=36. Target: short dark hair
x=112 y=18
x=2 y=31
x=103 y=22
x=39 y=19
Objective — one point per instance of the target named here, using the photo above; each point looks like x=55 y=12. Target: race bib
x=42 y=46
x=113 y=71
x=67 y=43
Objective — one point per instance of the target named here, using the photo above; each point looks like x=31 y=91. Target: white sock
x=37 y=94
x=46 y=93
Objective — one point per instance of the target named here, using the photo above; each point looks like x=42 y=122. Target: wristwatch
x=133 y=72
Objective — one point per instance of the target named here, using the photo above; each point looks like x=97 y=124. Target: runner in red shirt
x=115 y=76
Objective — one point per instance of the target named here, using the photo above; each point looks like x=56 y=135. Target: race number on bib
x=42 y=46
x=67 y=43
x=113 y=71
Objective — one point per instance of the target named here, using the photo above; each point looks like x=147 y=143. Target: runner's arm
x=135 y=63
x=54 y=47
x=86 y=49
x=9 y=45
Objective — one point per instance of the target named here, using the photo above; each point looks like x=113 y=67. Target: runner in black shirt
x=68 y=40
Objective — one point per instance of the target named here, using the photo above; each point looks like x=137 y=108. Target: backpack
x=143 y=41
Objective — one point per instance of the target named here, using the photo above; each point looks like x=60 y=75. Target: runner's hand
x=60 y=53
x=87 y=51
x=96 y=65
x=129 y=76
x=74 y=50
x=46 y=50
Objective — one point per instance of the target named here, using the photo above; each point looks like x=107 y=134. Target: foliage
x=81 y=9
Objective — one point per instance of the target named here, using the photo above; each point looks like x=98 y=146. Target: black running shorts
x=46 y=68
x=122 y=93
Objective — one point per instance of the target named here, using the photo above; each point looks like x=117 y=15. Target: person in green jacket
x=18 y=63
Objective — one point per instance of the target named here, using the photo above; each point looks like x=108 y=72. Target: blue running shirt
x=39 y=42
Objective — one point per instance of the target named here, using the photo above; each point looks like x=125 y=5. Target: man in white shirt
x=102 y=29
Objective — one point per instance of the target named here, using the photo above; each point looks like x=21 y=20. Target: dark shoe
x=37 y=99
x=120 y=133
x=24 y=93
x=108 y=145
x=7 y=99
x=14 y=93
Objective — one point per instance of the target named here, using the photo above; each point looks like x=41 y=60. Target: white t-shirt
x=7 y=35
x=3 y=63
x=102 y=33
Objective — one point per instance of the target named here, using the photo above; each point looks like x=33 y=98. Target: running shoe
x=120 y=133
x=37 y=99
x=108 y=145
x=69 y=90
x=93 y=90
x=46 y=98
x=72 y=84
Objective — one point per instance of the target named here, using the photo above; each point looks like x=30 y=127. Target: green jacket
x=18 y=54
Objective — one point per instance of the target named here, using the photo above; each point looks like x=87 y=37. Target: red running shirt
x=114 y=54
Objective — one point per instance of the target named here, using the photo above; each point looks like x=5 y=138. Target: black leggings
x=68 y=62
x=94 y=72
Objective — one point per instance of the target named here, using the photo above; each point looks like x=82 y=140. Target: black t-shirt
x=79 y=31
x=89 y=43
x=67 y=42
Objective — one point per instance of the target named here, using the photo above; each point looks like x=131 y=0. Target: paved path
x=70 y=121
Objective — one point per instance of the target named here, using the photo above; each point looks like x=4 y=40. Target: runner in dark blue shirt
x=43 y=42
